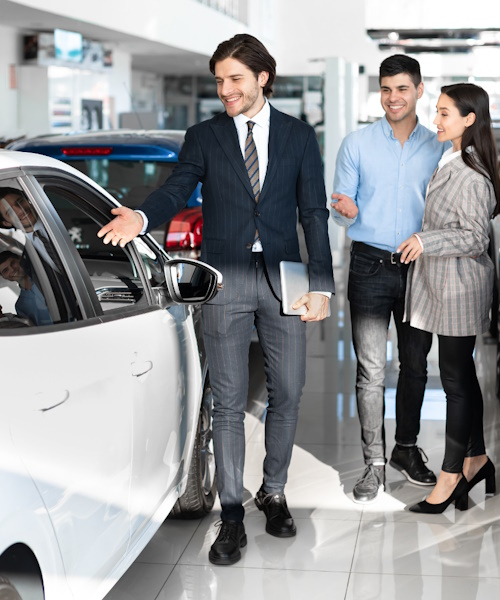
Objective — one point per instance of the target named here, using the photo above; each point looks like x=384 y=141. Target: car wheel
x=7 y=590
x=201 y=490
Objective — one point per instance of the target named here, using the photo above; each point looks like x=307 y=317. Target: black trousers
x=464 y=401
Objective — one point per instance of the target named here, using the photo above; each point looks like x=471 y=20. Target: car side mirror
x=191 y=281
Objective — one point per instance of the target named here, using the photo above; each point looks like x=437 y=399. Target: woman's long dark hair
x=472 y=98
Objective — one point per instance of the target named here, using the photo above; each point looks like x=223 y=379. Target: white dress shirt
x=261 y=139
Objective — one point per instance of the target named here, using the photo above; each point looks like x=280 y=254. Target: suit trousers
x=376 y=290
x=464 y=401
x=227 y=333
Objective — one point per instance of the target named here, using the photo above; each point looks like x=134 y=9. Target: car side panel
x=165 y=410
x=71 y=424
x=24 y=518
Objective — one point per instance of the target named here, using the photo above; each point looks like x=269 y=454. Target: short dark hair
x=6 y=191
x=249 y=51
x=400 y=63
x=8 y=254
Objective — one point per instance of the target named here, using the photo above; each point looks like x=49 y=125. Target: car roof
x=163 y=138
x=10 y=159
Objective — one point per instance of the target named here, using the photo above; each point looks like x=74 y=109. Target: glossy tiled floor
x=342 y=551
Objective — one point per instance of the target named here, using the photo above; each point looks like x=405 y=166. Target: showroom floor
x=342 y=551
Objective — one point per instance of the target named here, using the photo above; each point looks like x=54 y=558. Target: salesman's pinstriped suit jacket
x=211 y=154
x=450 y=289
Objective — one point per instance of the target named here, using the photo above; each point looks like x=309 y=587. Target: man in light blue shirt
x=381 y=177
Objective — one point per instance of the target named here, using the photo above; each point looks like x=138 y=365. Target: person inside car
x=31 y=302
x=16 y=212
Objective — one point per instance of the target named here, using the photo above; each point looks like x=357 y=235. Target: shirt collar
x=262 y=118
x=388 y=129
x=449 y=155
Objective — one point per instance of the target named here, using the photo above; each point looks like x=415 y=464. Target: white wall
x=432 y=14
x=9 y=55
x=33 y=102
x=309 y=32
x=120 y=85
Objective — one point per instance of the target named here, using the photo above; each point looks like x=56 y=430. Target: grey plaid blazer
x=450 y=285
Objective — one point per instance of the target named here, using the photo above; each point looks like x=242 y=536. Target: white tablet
x=294 y=284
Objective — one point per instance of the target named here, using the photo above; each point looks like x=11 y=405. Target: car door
x=161 y=343
x=166 y=416
x=68 y=399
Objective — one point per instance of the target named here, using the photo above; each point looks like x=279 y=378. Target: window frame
x=19 y=177
x=39 y=179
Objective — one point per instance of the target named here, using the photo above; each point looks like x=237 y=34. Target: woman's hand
x=410 y=249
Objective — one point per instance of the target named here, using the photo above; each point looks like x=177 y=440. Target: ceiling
x=146 y=55
x=414 y=41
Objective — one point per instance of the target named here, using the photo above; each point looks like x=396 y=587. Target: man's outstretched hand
x=123 y=228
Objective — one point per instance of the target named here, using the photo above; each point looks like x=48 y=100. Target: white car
x=105 y=424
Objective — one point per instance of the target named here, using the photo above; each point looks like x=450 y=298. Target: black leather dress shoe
x=279 y=520
x=411 y=462
x=226 y=548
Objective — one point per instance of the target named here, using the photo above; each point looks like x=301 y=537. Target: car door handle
x=141 y=367
x=44 y=401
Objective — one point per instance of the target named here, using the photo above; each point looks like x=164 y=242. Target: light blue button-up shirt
x=387 y=182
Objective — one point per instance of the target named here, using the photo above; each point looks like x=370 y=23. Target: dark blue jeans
x=376 y=290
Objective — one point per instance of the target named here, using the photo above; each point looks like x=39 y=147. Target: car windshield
x=130 y=182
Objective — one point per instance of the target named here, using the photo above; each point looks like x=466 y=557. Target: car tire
x=7 y=590
x=201 y=490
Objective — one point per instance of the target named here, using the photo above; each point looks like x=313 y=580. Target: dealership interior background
x=68 y=66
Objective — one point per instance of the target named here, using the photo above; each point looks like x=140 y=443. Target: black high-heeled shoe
x=486 y=472
x=460 y=495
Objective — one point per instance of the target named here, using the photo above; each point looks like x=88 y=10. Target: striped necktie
x=252 y=161
x=252 y=166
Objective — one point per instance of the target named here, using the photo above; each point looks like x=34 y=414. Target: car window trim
x=87 y=322
x=51 y=222
x=66 y=181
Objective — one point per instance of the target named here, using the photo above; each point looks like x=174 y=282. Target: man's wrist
x=145 y=221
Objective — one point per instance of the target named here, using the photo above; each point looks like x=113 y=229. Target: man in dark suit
x=257 y=167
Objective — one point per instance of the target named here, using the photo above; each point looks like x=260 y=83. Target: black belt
x=394 y=258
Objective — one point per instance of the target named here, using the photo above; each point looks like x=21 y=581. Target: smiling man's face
x=240 y=90
x=398 y=96
x=15 y=210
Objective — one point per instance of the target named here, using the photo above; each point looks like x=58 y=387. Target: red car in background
x=129 y=164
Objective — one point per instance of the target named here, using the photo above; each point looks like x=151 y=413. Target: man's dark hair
x=249 y=51
x=6 y=191
x=7 y=254
x=400 y=63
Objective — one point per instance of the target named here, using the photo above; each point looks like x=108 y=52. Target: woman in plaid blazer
x=450 y=287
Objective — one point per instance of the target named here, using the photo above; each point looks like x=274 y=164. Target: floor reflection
x=342 y=551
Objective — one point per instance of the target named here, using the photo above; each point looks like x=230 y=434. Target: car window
x=34 y=287
x=129 y=181
x=113 y=272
